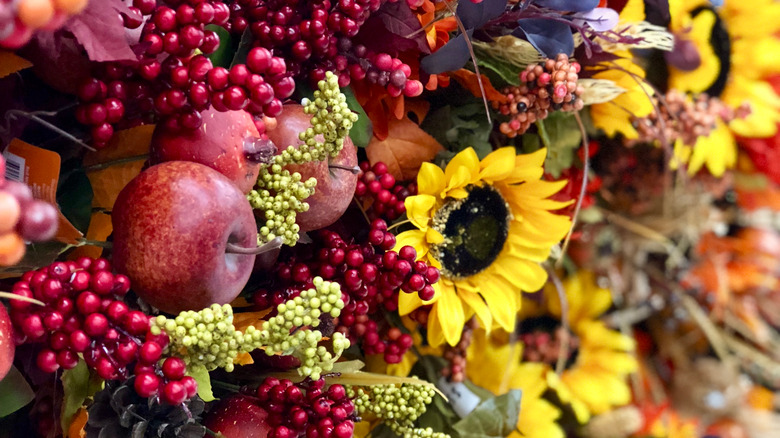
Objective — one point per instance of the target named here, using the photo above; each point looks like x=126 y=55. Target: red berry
x=79 y=341
x=146 y=384
x=174 y=393
x=190 y=385
x=150 y=352
x=174 y=368
x=47 y=361
x=96 y=324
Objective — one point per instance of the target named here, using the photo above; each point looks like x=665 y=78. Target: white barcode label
x=14 y=167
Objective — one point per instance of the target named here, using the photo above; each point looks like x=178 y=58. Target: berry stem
x=232 y=248
x=398 y=224
x=19 y=113
x=98 y=243
x=107 y=164
x=13 y=296
x=354 y=169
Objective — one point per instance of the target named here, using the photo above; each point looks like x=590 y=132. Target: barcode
x=14 y=167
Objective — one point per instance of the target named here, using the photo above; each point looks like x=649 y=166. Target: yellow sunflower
x=599 y=360
x=487 y=226
x=737 y=49
x=486 y=354
x=615 y=116
x=717 y=151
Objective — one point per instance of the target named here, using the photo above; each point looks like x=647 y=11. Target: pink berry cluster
x=22 y=218
x=379 y=188
x=84 y=316
x=371 y=276
x=549 y=86
x=306 y=409
x=317 y=36
x=171 y=83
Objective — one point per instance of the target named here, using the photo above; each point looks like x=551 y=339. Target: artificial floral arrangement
x=389 y=218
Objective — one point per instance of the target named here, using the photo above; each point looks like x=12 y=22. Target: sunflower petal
x=497 y=165
x=418 y=209
x=500 y=301
x=450 y=315
x=459 y=179
x=473 y=300
x=430 y=179
x=466 y=159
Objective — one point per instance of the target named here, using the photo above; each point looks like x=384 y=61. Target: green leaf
x=499 y=72
x=15 y=392
x=460 y=127
x=479 y=391
x=228 y=45
x=201 y=375
x=244 y=46
x=493 y=418
x=77 y=384
x=74 y=197
x=363 y=129
x=560 y=134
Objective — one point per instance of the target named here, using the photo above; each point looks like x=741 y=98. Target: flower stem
x=232 y=248
x=13 y=296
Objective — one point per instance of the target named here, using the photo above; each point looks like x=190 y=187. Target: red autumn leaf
x=100 y=30
x=468 y=80
x=404 y=150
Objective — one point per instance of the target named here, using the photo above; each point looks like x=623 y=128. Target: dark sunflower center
x=720 y=41
x=474 y=229
x=543 y=338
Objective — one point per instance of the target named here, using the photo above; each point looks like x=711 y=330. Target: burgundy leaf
x=393 y=29
x=99 y=29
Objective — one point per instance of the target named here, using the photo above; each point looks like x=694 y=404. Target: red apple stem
x=12 y=296
x=354 y=169
x=232 y=248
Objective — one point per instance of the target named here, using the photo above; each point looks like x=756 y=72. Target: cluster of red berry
x=306 y=409
x=83 y=313
x=551 y=86
x=379 y=188
x=371 y=275
x=316 y=37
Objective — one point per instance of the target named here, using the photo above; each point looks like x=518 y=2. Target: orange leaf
x=76 y=428
x=404 y=150
x=243 y=359
x=243 y=320
x=99 y=230
x=11 y=63
x=468 y=80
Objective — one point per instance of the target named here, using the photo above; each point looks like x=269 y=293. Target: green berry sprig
x=398 y=406
x=208 y=337
x=282 y=194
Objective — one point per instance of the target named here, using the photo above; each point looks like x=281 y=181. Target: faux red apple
x=185 y=235
x=238 y=417
x=227 y=142
x=336 y=178
x=7 y=347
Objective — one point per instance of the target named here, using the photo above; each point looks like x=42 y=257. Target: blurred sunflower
x=538 y=417
x=727 y=52
x=599 y=359
x=487 y=225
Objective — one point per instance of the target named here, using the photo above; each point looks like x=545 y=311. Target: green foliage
x=362 y=130
x=560 y=134
x=459 y=127
x=493 y=418
x=15 y=392
x=78 y=384
x=497 y=70
x=201 y=375
x=228 y=45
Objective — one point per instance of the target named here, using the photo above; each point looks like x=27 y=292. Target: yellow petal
x=450 y=315
x=466 y=159
x=430 y=179
x=498 y=164
x=500 y=300
x=408 y=303
x=460 y=178
x=475 y=302
x=418 y=209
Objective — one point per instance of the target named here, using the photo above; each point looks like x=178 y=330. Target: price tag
x=462 y=400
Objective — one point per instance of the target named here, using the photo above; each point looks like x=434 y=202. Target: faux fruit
x=336 y=178
x=184 y=234
x=6 y=342
x=238 y=417
x=227 y=142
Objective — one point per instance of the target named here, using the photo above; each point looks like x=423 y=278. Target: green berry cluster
x=398 y=406
x=305 y=311
x=282 y=194
x=208 y=337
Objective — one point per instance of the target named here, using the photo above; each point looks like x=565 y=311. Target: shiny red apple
x=238 y=417
x=227 y=142
x=336 y=177
x=7 y=347
x=177 y=229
